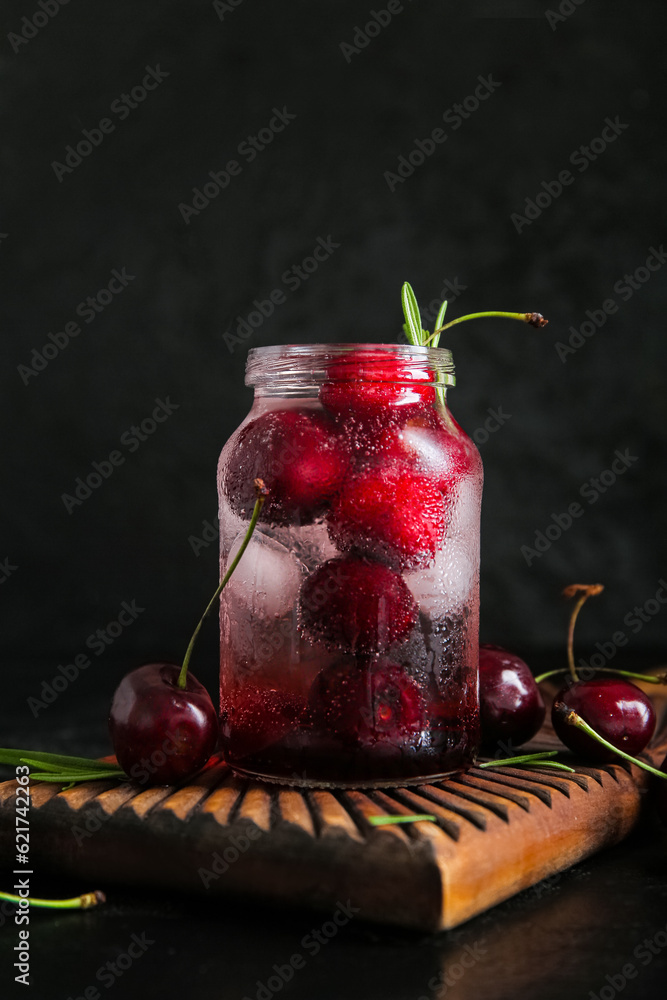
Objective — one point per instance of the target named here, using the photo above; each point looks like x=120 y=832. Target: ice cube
x=267 y=579
x=447 y=583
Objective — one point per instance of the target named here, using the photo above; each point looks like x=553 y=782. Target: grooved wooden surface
x=495 y=833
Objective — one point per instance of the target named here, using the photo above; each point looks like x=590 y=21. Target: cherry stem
x=573 y=719
x=76 y=903
x=585 y=590
x=262 y=493
x=647 y=678
x=533 y=318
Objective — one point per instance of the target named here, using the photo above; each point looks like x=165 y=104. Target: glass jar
x=349 y=630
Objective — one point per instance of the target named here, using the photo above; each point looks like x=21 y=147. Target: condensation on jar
x=349 y=630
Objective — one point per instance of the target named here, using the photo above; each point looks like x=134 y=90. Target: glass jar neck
x=300 y=369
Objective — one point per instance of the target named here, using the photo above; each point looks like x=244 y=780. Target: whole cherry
x=391 y=514
x=511 y=706
x=356 y=605
x=161 y=732
x=602 y=716
x=163 y=724
x=615 y=708
x=301 y=459
x=422 y=440
x=371 y=382
x=363 y=703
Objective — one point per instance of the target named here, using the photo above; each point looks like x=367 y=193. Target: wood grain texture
x=495 y=833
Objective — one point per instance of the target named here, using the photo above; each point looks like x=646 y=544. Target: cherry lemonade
x=349 y=630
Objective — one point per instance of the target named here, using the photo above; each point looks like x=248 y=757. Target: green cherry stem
x=261 y=493
x=573 y=719
x=532 y=318
x=76 y=903
x=647 y=678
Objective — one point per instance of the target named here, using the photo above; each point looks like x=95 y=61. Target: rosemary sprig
x=419 y=337
x=413 y=323
x=12 y=756
x=60 y=768
x=539 y=759
x=392 y=820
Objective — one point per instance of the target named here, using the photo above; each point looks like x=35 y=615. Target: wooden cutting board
x=497 y=832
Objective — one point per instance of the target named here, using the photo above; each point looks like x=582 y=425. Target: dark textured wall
x=551 y=86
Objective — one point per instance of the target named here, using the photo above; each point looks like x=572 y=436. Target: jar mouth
x=309 y=365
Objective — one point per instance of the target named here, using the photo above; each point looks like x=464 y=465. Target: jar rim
x=283 y=364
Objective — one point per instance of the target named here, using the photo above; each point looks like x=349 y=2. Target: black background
x=163 y=337
x=324 y=175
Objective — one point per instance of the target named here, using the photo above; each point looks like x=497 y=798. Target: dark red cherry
x=419 y=440
x=615 y=708
x=299 y=456
x=370 y=702
x=161 y=733
x=392 y=514
x=356 y=605
x=511 y=706
x=367 y=383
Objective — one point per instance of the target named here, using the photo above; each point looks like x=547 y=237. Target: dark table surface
x=598 y=930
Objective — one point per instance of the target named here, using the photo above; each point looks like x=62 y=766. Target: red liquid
x=353 y=722
x=349 y=630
